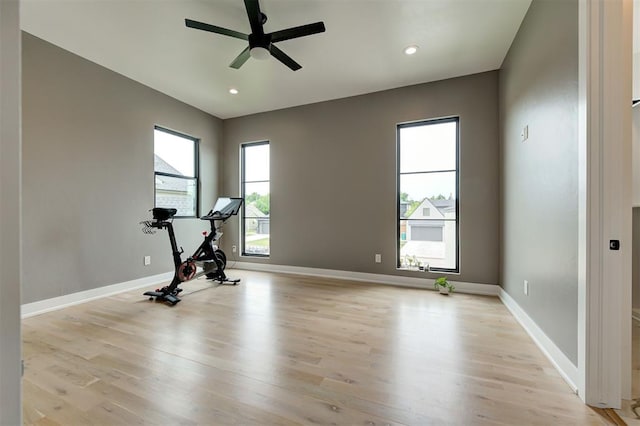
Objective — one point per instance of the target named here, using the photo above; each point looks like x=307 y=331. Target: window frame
x=453 y=119
x=196 y=169
x=243 y=194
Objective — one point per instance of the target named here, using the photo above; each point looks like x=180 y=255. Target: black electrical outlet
x=614 y=244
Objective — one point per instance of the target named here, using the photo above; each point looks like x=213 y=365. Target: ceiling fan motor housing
x=260 y=40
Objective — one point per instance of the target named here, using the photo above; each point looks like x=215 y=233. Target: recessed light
x=233 y=91
x=410 y=50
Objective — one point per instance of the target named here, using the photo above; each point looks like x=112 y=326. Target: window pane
x=256 y=198
x=173 y=154
x=428 y=195
x=177 y=193
x=428 y=242
x=256 y=238
x=256 y=162
x=256 y=193
x=427 y=148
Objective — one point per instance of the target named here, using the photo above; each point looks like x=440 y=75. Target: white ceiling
x=360 y=52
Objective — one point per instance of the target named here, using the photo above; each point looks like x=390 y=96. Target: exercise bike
x=207 y=256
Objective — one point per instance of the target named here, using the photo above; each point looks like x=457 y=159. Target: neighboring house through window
x=255 y=175
x=427 y=195
x=176 y=171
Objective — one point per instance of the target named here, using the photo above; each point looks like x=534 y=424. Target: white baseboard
x=461 y=287
x=565 y=367
x=42 y=306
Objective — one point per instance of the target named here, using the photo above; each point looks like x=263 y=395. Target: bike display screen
x=227 y=206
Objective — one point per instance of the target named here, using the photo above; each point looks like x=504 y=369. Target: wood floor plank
x=285 y=349
x=626 y=412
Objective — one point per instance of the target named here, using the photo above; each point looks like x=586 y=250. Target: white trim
x=53 y=304
x=461 y=287
x=567 y=369
x=585 y=215
x=582 y=217
x=604 y=176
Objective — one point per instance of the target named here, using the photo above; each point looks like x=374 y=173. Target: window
x=427 y=195
x=255 y=191
x=176 y=171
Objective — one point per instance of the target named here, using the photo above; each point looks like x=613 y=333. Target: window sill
x=430 y=271
x=411 y=269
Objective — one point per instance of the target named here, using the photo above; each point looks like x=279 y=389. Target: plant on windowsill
x=443 y=285
x=409 y=262
x=416 y=263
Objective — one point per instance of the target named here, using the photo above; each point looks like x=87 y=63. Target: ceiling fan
x=261 y=44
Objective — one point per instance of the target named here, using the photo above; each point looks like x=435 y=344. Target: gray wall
x=88 y=173
x=333 y=176
x=635 y=132
x=10 y=341
x=635 y=260
x=635 y=146
x=539 y=88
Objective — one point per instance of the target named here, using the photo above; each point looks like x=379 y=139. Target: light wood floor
x=284 y=349
x=625 y=412
x=635 y=392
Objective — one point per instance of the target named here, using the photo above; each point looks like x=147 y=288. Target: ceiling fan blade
x=214 y=29
x=295 y=32
x=255 y=16
x=241 y=58
x=284 y=58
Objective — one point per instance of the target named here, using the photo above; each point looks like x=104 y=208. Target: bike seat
x=160 y=213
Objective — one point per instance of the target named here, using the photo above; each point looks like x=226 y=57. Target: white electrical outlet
x=524 y=135
x=526 y=287
x=147 y=260
x=234 y=248
x=378 y=258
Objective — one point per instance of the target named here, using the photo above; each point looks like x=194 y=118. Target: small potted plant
x=416 y=262
x=410 y=262
x=443 y=285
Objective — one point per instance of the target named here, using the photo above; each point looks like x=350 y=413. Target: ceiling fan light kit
x=261 y=44
x=259 y=53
